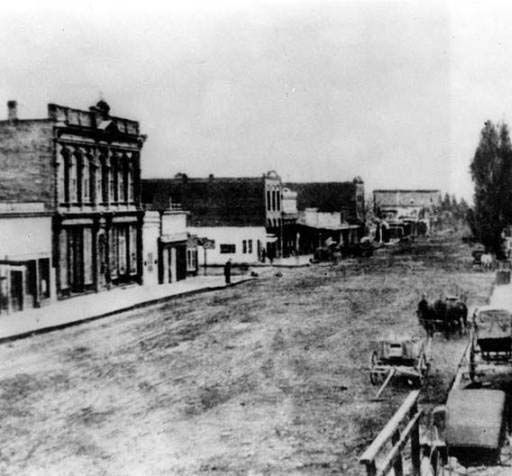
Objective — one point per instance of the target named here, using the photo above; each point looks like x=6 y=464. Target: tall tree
x=491 y=172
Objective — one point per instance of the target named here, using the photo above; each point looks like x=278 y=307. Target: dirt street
x=266 y=378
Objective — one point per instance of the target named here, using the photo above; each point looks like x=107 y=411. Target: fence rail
x=407 y=417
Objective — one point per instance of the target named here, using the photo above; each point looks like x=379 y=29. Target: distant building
x=328 y=212
x=400 y=203
x=242 y=217
x=84 y=166
x=346 y=198
x=27 y=277
x=404 y=212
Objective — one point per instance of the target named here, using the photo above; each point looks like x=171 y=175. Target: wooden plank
x=399 y=445
x=390 y=375
x=391 y=426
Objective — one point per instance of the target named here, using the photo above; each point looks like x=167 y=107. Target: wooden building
x=241 y=217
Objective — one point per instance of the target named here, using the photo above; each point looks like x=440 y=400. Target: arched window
x=120 y=179
x=105 y=178
x=113 y=179
x=130 y=182
x=86 y=179
x=61 y=175
x=73 y=183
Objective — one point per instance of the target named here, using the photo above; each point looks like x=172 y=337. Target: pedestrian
x=227 y=271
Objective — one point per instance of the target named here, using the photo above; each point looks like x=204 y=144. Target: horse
x=449 y=314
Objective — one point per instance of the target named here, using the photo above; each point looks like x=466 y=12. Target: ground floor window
x=191 y=259
x=133 y=249
x=227 y=248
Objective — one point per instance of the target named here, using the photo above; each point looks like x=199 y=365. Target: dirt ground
x=269 y=377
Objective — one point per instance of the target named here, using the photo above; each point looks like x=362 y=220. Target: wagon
x=490 y=347
x=400 y=357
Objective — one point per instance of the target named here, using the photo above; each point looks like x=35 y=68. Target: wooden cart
x=399 y=357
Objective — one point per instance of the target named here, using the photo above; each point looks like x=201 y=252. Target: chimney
x=12 y=111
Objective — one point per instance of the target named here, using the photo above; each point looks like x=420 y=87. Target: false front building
x=85 y=167
x=241 y=217
x=328 y=212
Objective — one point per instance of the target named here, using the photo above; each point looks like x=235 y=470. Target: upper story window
x=278 y=200
x=269 y=201
x=105 y=178
x=113 y=180
x=131 y=188
x=73 y=182
x=86 y=180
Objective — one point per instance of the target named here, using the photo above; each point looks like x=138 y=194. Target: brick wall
x=26 y=162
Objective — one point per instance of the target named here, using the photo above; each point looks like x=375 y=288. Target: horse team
x=445 y=315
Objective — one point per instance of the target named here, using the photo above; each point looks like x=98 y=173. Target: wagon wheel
x=376 y=377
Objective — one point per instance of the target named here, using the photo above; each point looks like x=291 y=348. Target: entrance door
x=17 y=290
x=76 y=265
x=102 y=260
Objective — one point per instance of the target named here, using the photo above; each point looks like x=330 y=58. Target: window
x=72 y=172
x=113 y=252
x=122 y=251
x=278 y=200
x=133 y=249
x=268 y=200
x=63 y=259
x=249 y=246
x=226 y=249
x=273 y=200
x=88 y=256
x=120 y=180
x=130 y=182
x=113 y=180
x=86 y=187
x=191 y=259
x=105 y=180
x=244 y=246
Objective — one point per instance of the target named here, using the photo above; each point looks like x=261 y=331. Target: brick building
x=242 y=215
x=85 y=167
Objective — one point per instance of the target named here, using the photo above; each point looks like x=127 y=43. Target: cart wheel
x=376 y=377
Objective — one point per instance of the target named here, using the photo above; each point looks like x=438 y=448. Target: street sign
x=206 y=243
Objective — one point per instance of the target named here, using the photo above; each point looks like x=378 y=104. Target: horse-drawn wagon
x=490 y=347
x=399 y=357
x=447 y=315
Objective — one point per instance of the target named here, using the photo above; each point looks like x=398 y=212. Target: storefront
x=27 y=277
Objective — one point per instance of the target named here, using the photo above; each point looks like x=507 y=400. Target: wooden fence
x=402 y=428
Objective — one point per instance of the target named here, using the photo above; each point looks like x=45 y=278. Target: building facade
x=85 y=167
x=241 y=217
x=27 y=277
x=333 y=211
x=404 y=212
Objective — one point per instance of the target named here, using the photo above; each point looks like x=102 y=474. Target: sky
x=393 y=91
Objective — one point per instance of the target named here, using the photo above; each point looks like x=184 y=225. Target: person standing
x=227 y=271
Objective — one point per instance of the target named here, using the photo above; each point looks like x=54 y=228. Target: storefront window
x=63 y=259
x=133 y=250
x=122 y=250
x=88 y=258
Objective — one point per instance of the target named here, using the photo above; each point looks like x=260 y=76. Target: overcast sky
x=395 y=92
